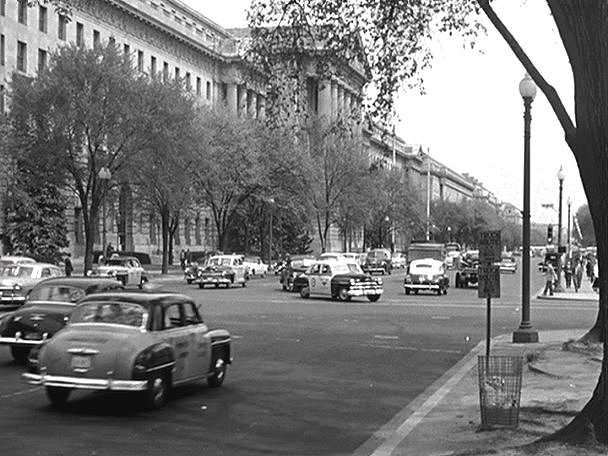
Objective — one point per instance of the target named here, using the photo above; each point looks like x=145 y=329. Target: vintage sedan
x=11 y=260
x=223 y=270
x=191 y=271
x=255 y=266
x=378 y=260
x=18 y=279
x=46 y=311
x=508 y=264
x=131 y=341
x=128 y=270
x=338 y=280
x=426 y=275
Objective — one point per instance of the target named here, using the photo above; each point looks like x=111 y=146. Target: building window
x=140 y=61
x=176 y=73
x=165 y=71
x=112 y=41
x=2 y=50
x=198 y=86
x=42 y=19
x=79 y=34
x=22 y=11
x=96 y=38
x=208 y=90
x=153 y=66
x=2 y=7
x=62 y=27
x=42 y=59
x=127 y=49
x=21 y=56
x=188 y=86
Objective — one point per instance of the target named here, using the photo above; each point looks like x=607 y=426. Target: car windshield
x=347 y=268
x=19 y=271
x=218 y=261
x=56 y=293
x=117 y=262
x=118 y=313
x=378 y=254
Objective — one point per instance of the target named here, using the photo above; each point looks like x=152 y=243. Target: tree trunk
x=164 y=220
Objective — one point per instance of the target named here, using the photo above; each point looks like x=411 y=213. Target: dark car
x=133 y=342
x=46 y=310
x=468 y=270
x=338 y=280
x=378 y=260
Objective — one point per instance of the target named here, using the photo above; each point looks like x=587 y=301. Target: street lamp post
x=525 y=333
x=560 y=177
x=104 y=175
x=449 y=234
x=569 y=202
x=270 y=203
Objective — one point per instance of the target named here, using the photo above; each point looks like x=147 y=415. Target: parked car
x=224 y=270
x=426 y=274
x=131 y=341
x=338 y=280
x=255 y=266
x=378 y=260
x=128 y=270
x=399 y=260
x=191 y=271
x=508 y=264
x=46 y=310
x=18 y=279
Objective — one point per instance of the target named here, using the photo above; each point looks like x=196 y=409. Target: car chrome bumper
x=365 y=292
x=11 y=300
x=85 y=383
x=21 y=342
x=422 y=286
x=213 y=280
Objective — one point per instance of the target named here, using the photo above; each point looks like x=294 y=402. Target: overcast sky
x=471 y=118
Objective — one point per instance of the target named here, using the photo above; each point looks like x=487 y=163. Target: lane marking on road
x=411 y=348
x=384 y=441
x=19 y=393
x=381 y=336
x=440 y=317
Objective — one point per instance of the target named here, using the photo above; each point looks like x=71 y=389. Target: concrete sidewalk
x=585 y=293
x=558 y=378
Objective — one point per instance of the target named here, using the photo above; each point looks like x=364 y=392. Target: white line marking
x=19 y=393
x=439 y=317
x=410 y=348
x=381 y=336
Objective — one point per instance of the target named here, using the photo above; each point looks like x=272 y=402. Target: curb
x=584 y=296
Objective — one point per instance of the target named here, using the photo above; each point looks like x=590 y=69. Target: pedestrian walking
x=68 y=265
x=550 y=278
x=109 y=251
x=182 y=259
x=578 y=276
x=568 y=271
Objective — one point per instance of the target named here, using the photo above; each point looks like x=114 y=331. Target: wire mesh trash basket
x=499 y=390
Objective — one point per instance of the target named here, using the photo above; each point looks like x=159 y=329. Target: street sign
x=489 y=247
x=489 y=281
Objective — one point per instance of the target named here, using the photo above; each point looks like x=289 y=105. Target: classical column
x=252 y=110
x=232 y=97
x=325 y=99
x=347 y=103
x=334 y=99
x=261 y=107
x=242 y=106
x=340 y=111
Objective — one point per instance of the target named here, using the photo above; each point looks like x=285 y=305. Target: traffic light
x=550 y=234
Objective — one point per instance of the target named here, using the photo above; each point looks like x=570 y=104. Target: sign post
x=489 y=275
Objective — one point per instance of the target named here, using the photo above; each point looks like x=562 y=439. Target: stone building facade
x=167 y=37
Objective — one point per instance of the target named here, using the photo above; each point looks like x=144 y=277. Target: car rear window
x=119 y=313
x=58 y=293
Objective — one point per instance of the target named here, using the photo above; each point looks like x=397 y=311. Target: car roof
x=432 y=261
x=145 y=298
x=78 y=282
x=17 y=258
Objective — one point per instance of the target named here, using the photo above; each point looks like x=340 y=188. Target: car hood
x=111 y=348
x=11 y=281
x=111 y=268
x=38 y=318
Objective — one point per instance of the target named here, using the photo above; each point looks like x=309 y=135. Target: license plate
x=32 y=336
x=81 y=362
x=370 y=292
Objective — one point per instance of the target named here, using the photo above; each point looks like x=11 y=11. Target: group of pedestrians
x=573 y=270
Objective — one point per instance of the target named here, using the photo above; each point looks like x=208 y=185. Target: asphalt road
x=310 y=376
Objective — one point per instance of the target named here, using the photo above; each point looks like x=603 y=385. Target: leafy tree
x=171 y=114
x=226 y=166
x=86 y=106
x=395 y=35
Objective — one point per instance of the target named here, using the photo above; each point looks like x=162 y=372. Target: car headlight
x=352 y=281
x=17 y=286
x=408 y=278
x=378 y=280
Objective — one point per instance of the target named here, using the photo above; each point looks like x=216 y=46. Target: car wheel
x=373 y=298
x=457 y=281
x=201 y=285
x=219 y=371
x=189 y=281
x=20 y=354
x=343 y=294
x=217 y=285
x=58 y=395
x=415 y=292
x=439 y=291
x=244 y=283
x=445 y=291
x=407 y=291
x=305 y=292
x=157 y=391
